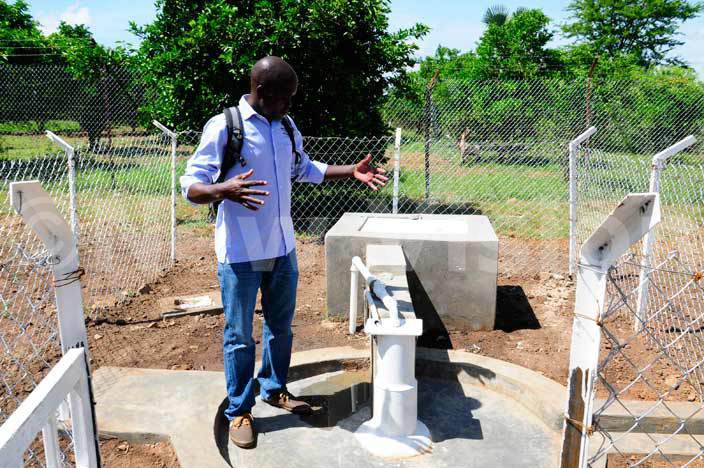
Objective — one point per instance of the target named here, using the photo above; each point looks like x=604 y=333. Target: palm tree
x=497 y=14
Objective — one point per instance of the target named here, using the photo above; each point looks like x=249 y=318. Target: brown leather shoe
x=242 y=432
x=288 y=402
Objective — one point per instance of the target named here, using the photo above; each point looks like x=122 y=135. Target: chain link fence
x=114 y=185
x=28 y=328
x=651 y=371
x=498 y=149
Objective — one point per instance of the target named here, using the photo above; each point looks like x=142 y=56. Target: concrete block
x=209 y=303
x=453 y=263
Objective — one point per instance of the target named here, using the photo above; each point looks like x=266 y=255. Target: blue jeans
x=239 y=283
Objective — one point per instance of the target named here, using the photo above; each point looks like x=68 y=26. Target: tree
x=646 y=29
x=197 y=55
x=517 y=47
x=497 y=14
x=21 y=41
x=106 y=94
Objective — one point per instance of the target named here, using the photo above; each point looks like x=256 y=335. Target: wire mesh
x=28 y=329
x=652 y=371
x=496 y=148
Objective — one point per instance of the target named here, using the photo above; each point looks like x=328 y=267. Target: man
x=254 y=238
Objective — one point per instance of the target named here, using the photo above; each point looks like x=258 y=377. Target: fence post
x=70 y=154
x=573 y=150
x=397 y=168
x=39 y=212
x=173 y=136
x=637 y=214
x=428 y=120
x=659 y=161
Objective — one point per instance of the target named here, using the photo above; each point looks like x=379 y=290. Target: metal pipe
x=573 y=148
x=373 y=312
x=659 y=161
x=379 y=289
x=354 y=285
x=397 y=168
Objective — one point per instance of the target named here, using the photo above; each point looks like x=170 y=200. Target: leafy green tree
x=21 y=41
x=197 y=54
x=104 y=88
x=646 y=29
x=516 y=48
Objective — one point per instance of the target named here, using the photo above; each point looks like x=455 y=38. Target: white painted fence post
x=70 y=156
x=659 y=161
x=397 y=168
x=636 y=215
x=38 y=412
x=573 y=153
x=174 y=137
x=39 y=212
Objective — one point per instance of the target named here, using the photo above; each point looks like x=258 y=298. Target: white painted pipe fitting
x=379 y=289
x=354 y=285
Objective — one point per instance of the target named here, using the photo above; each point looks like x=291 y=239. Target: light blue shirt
x=242 y=234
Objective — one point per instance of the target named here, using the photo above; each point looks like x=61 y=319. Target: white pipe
x=663 y=155
x=649 y=239
x=361 y=268
x=163 y=128
x=583 y=136
x=373 y=312
x=397 y=168
x=379 y=289
x=174 y=142
x=573 y=146
x=73 y=197
x=354 y=285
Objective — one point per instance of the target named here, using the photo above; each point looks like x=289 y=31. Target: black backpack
x=233 y=149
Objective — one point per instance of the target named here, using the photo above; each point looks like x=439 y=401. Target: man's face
x=275 y=102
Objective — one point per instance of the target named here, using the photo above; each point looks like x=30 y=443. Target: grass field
x=524 y=193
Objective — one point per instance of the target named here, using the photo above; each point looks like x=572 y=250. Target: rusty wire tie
x=69 y=278
x=599 y=321
x=579 y=426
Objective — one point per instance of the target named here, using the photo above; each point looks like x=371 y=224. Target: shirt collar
x=246 y=110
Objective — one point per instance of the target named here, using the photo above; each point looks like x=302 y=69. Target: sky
x=454 y=23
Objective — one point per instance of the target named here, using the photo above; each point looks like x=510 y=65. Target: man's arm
x=315 y=171
x=236 y=189
x=363 y=171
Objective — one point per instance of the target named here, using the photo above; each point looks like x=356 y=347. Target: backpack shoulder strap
x=288 y=125
x=235 y=139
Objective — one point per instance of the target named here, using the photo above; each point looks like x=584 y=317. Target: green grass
x=525 y=196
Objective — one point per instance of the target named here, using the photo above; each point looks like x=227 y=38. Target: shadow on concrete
x=513 y=310
x=448 y=412
x=448 y=418
x=442 y=406
x=221 y=431
x=435 y=334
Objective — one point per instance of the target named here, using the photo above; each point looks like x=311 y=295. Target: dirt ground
x=533 y=325
x=533 y=329
x=121 y=454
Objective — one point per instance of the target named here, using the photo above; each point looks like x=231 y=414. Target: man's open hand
x=237 y=189
x=368 y=174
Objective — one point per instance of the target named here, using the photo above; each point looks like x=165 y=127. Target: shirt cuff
x=186 y=181
x=316 y=172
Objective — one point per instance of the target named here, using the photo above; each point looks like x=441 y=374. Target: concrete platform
x=453 y=261
x=473 y=421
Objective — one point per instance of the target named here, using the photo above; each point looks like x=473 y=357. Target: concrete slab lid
x=377 y=224
x=424 y=227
